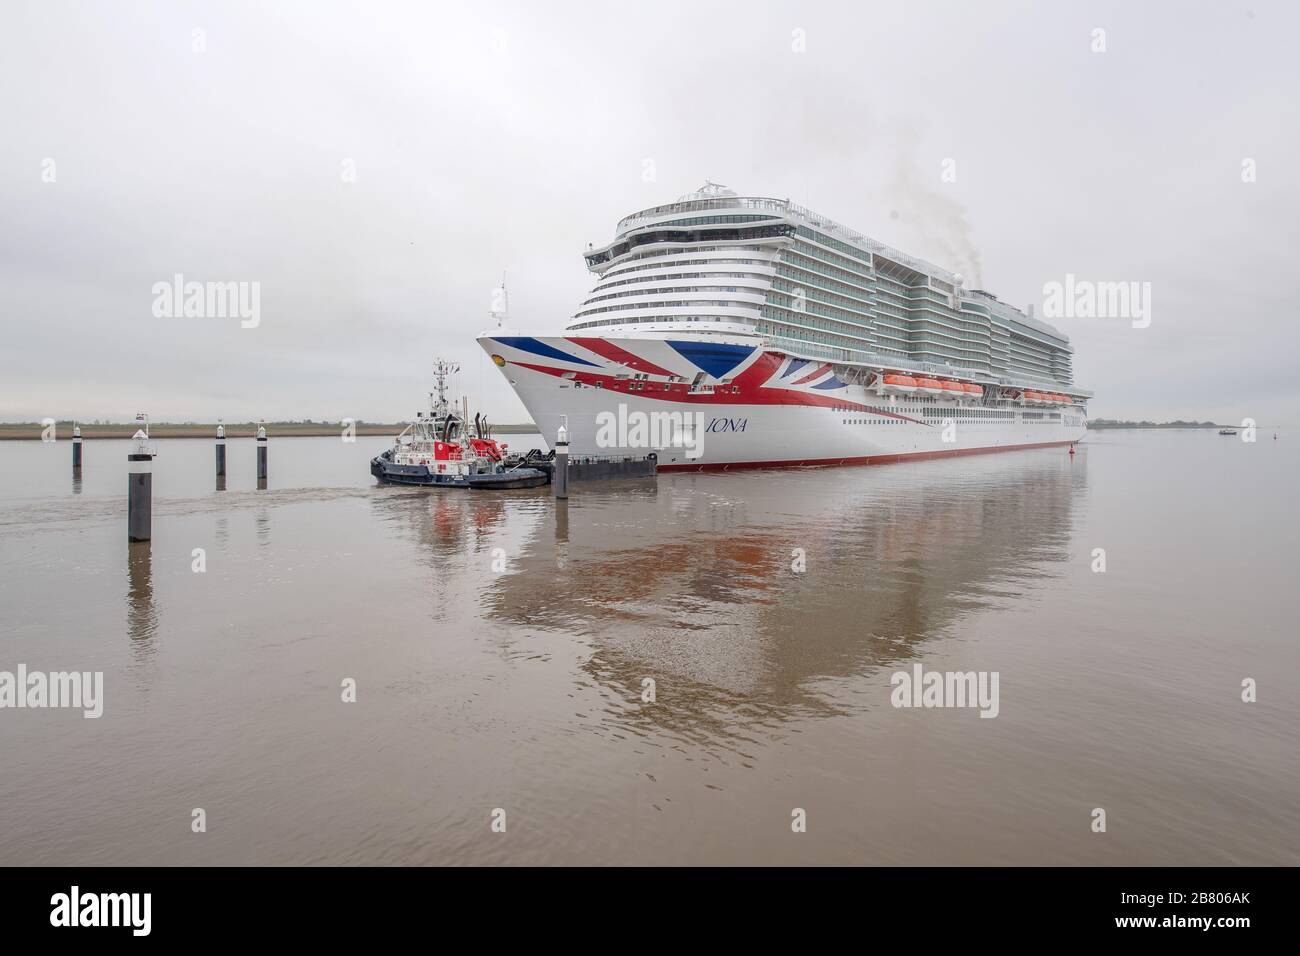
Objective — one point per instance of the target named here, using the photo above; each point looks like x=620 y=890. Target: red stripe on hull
x=861 y=460
x=608 y=350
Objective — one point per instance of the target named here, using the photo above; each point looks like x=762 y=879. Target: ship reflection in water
x=747 y=598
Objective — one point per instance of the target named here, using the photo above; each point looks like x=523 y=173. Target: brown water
x=521 y=689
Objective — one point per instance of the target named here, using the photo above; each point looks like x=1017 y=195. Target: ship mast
x=500 y=309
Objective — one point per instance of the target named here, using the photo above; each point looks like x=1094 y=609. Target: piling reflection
x=561 y=534
x=141 y=610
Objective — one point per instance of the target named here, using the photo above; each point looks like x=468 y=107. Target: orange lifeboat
x=930 y=385
x=899 y=383
x=1032 y=397
x=974 y=391
x=1067 y=399
x=954 y=388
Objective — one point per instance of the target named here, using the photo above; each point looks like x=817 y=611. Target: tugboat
x=440 y=450
x=1227 y=431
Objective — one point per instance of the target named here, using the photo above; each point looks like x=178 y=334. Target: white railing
x=777 y=206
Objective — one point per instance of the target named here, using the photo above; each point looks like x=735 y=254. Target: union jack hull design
x=758 y=405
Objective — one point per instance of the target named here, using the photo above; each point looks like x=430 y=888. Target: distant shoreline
x=63 y=430
x=1097 y=426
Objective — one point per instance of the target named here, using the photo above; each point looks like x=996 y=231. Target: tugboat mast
x=439 y=405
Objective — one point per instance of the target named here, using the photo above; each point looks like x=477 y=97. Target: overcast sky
x=504 y=137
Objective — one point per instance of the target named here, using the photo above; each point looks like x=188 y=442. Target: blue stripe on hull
x=528 y=344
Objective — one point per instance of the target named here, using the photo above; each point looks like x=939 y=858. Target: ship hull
x=753 y=407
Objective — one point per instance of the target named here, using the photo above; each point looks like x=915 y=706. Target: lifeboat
x=1033 y=398
x=902 y=384
x=954 y=388
x=931 y=386
x=1066 y=399
x=972 y=390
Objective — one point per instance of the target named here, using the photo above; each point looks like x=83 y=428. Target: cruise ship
x=729 y=331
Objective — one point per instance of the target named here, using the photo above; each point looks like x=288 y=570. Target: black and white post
x=560 y=480
x=76 y=449
x=261 y=452
x=221 y=449
x=139 y=505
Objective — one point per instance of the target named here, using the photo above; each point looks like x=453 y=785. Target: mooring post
x=560 y=480
x=221 y=449
x=76 y=449
x=261 y=452
x=139 y=466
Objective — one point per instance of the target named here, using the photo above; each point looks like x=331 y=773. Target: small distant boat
x=440 y=450
x=1227 y=431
